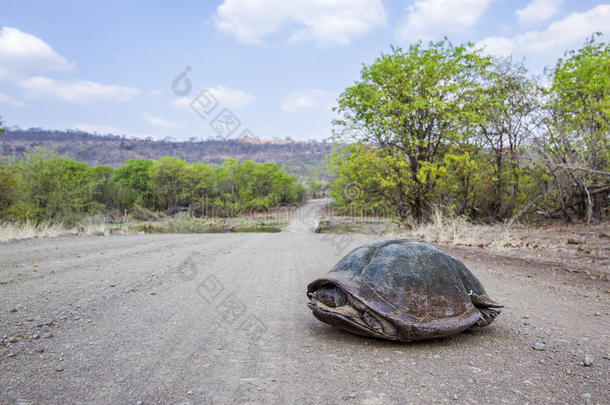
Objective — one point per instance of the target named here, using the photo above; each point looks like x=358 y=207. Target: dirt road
x=222 y=318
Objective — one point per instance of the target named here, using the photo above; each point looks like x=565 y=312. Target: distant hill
x=299 y=158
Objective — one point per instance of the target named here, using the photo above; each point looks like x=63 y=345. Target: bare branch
x=584 y=169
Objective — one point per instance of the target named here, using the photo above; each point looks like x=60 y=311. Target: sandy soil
x=222 y=318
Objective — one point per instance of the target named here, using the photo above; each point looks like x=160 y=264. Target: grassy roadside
x=176 y=224
x=575 y=247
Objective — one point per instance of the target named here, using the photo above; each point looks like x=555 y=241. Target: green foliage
x=44 y=186
x=412 y=105
x=233 y=187
x=575 y=147
x=101 y=188
x=256 y=186
x=444 y=126
x=506 y=109
x=134 y=178
x=366 y=179
x=315 y=187
x=50 y=187
x=171 y=182
x=8 y=187
x=581 y=90
x=458 y=189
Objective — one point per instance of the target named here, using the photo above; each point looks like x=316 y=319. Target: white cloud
x=21 y=53
x=499 y=46
x=430 y=19
x=538 y=11
x=324 y=22
x=23 y=57
x=226 y=97
x=231 y=98
x=567 y=33
x=182 y=102
x=154 y=92
x=306 y=99
x=4 y=99
x=76 y=90
x=159 y=122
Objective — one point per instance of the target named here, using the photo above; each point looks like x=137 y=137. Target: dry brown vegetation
x=576 y=245
x=573 y=247
x=178 y=224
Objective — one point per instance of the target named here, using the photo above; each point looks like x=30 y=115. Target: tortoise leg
x=487 y=316
x=474 y=288
x=371 y=321
x=486 y=306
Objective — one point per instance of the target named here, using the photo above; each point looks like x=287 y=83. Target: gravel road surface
x=222 y=318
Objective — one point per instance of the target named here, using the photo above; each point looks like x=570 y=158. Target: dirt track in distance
x=123 y=319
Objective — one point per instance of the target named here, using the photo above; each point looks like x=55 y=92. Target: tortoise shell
x=401 y=290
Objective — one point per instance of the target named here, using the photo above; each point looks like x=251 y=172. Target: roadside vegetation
x=131 y=224
x=444 y=128
x=52 y=194
x=432 y=134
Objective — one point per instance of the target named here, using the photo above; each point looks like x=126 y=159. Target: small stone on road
x=538 y=346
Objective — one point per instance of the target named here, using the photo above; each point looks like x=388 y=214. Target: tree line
x=445 y=126
x=45 y=186
x=299 y=158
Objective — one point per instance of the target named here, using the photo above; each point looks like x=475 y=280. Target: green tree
x=8 y=188
x=574 y=150
x=7 y=182
x=203 y=179
x=315 y=187
x=225 y=175
x=412 y=106
x=507 y=108
x=201 y=188
x=460 y=189
x=134 y=178
x=170 y=182
x=263 y=185
x=50 y=187
x=255 y=186
x=104 y=190
x=225 y=201
x=367 y=181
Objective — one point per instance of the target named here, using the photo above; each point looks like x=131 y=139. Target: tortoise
x=401 y=290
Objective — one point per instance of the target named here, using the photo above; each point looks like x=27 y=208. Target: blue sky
x=277 y=66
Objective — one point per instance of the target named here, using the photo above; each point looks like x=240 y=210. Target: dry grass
x=177 y=224
x=576 y=246
x=10 y=231
x=457 y=231
x=102 y=229
x=27 y=230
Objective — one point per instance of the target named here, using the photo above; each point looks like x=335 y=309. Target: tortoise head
x=332 y=304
